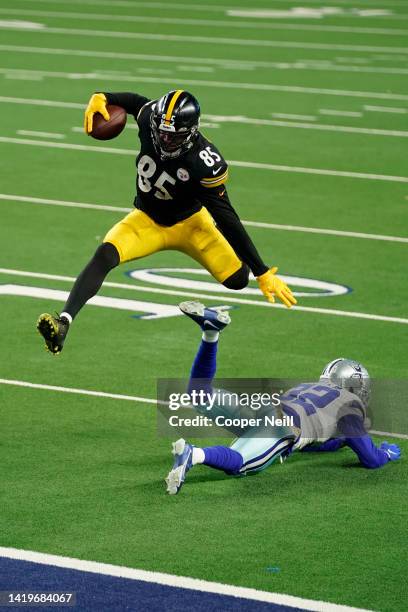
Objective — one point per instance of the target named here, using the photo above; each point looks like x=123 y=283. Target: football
x=105 y=130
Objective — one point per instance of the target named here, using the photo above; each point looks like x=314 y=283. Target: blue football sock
x=223 y=458
x=204 y=366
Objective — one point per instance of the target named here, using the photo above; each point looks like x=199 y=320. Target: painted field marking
x=387 y=433
x=32 y=200
x=274 y=226
x=302 y=12
x=165 y=277
x=17 y=24
x=225 y=63
x=232 y=85
x=39 y=102
x=118 y=396
x=291 y=116
x=239 y=164
x=40 y=134
x=151 y=310
x=216 y=298
x=219 y=40
x=68 y=146
x=340 y=113
x=385 y=109
x=346 y=129
x=202 y=83
x=234 y=118
x=330 y=232
x=217 y=23
x=227 y=118
x=216 y=8
x=129 y=398
x=174 y=581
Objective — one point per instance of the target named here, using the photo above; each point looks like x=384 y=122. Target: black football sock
x=238 y=280
x=91 y=278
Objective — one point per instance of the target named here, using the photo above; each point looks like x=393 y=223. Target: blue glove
x=393 y=450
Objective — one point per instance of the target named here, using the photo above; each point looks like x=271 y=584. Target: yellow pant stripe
x=173 y=101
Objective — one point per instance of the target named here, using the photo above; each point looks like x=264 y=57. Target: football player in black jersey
x=181 y=203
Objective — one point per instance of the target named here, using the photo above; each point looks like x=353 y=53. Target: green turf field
x=312 y=114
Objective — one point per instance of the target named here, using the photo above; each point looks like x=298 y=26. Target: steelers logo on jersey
x=182 y=174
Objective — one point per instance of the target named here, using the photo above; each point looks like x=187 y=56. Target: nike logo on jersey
x=216 y=171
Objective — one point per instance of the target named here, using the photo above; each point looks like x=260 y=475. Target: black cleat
x=53 y=330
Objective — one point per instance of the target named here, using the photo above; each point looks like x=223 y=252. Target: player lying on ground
x=181 y=204
x=327 y=415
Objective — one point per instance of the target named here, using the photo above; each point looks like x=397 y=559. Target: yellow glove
x=271 y=285
x=97 y=104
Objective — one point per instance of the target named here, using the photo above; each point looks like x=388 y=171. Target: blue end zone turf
x=98 y=592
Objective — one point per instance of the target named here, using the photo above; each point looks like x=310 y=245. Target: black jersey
x=171 y=190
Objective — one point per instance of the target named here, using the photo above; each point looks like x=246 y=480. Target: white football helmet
x=350 y=375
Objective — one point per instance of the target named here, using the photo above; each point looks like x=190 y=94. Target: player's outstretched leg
x=211 y=321
x=183 y=462
x=54 y=329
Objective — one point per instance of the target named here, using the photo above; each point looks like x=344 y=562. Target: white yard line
x=231 y=118
x=240 y=164
x=339 y=113
x=39 y=102
x=228 y=85
x=188 y=6
x=224 y=63
x=213 y=23
x=346 y=129
x=329 y=232
x=224 y=297
x=119 y=396
x=67 y=146
x=345 y=174
x=273 y=226
x=171 y=580
x=291 y=116
x=385 y=109
x=388 y=433
x=129 y=398
x=219 y=40
x=40 y=134
x=32 y=200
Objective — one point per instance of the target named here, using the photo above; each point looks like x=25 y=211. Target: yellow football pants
x=137 y=235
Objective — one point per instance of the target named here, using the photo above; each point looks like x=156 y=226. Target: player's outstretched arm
x=228 y=221
x=370 y=456
x=361 y=443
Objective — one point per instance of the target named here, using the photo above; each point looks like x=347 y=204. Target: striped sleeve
x=215 y=181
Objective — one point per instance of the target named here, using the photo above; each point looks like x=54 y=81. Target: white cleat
x=183 y=456
x=207 y=318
